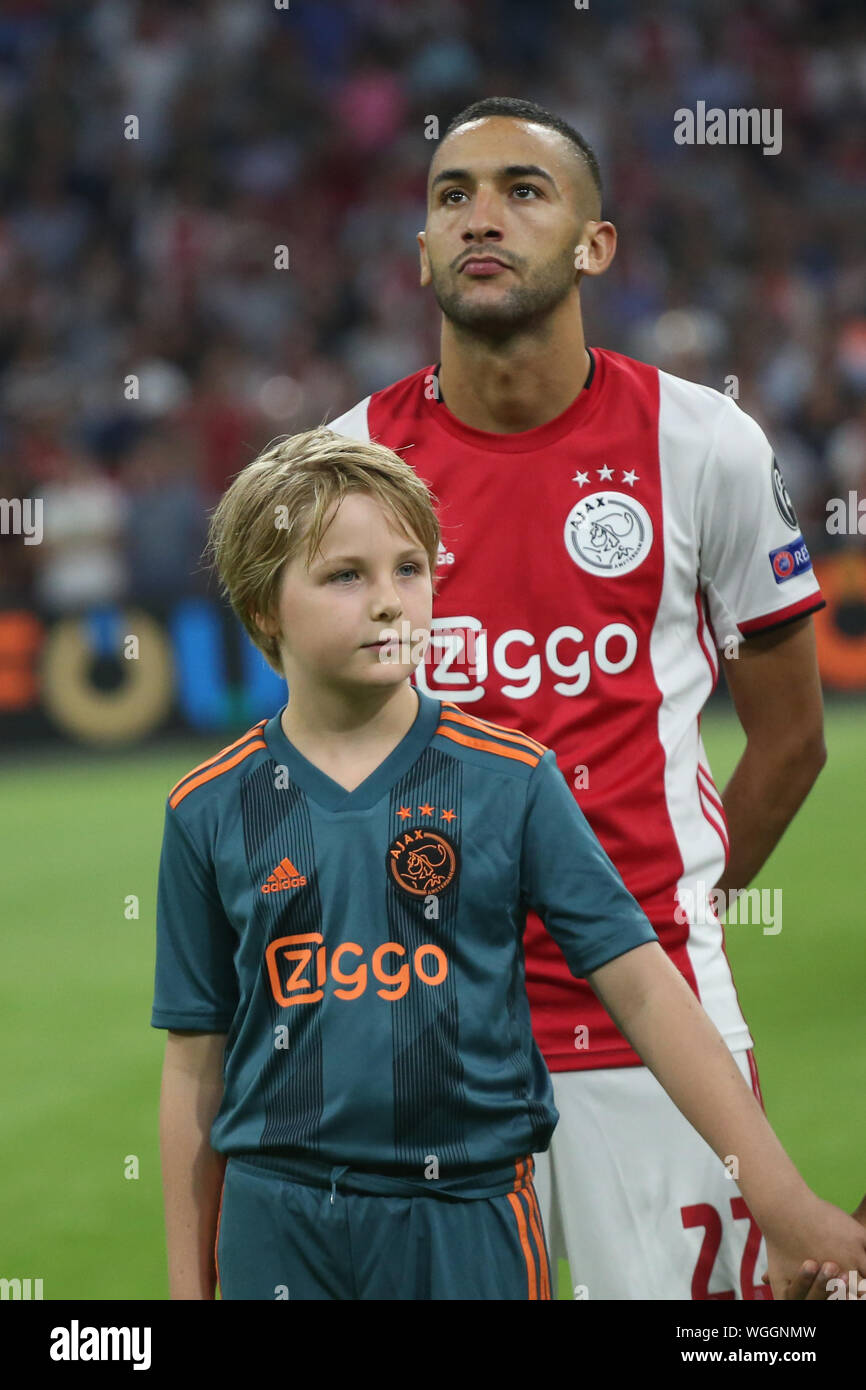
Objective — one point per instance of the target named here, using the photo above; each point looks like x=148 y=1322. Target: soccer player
x=342 y=898
x=610 y=532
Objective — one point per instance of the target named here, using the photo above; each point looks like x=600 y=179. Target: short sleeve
x=755 y=568
x=195 y=978
x=569 y=881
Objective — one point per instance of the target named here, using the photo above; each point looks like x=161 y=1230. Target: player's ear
x=425 y=263
x=596 y=248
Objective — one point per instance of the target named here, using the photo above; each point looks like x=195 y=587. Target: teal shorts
x=282 y=1239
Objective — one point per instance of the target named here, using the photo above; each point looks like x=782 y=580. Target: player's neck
x=508 y=388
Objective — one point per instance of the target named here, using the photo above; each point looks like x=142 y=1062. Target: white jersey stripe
x=709 y=787
x=685 y=677
x=711 y=814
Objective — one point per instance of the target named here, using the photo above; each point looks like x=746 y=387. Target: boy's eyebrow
x=508 y=171
x=361 y=559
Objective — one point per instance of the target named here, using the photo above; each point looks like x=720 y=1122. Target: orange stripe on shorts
x=536 y=1227
x=517 y=1208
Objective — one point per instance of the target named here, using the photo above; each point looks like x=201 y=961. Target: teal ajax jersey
x=363 y=950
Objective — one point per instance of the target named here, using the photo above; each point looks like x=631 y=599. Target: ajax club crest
x=422 y=861
x=608 y=533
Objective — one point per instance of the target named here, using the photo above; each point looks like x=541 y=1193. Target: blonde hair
x=275 y=509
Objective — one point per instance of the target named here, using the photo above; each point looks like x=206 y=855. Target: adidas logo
x=444 y=557
x=285 y=875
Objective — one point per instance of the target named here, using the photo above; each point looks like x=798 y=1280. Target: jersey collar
x=325 y=791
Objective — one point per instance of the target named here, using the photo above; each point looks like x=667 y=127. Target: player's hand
x=820 y=1226
x=810 y=1282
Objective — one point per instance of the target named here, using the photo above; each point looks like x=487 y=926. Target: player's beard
x=522 y=307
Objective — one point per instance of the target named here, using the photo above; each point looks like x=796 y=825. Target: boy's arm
x=654 y=1007
x=192 y=1172
x=195 y=999
x=567 y=878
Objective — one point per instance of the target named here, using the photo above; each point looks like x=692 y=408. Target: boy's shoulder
x=485 y=744
x=217 y=776
x=201 y=796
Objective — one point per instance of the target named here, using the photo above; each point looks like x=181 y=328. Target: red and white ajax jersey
x=589 y=570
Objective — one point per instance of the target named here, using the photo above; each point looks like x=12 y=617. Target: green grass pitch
x=81 y=1064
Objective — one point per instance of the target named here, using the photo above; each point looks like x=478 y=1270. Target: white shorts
x=636 y=1201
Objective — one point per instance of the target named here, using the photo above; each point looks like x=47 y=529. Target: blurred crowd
x=153 y=155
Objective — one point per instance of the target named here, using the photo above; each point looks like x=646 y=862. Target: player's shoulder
x=401 y=398
x=217 y=778
x=684 y=407
x=690 y=408
x=708 y=444
x=484 y=744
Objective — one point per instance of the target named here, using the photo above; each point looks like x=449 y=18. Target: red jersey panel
x=589 y=569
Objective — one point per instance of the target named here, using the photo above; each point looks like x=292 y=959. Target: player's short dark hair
x=521 y=110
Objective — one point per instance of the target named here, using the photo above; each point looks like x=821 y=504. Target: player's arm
x=776 y=690
x=192 y=1172
x=653 y=1006
x=757 y=583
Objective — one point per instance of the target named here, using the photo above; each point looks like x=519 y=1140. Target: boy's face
x=367 y=576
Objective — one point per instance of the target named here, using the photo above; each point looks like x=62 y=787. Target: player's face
x=367 y=577
x=531 y=221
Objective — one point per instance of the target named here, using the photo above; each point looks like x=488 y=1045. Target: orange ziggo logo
x=297 y=989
